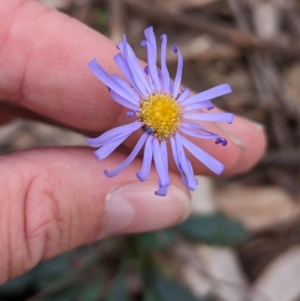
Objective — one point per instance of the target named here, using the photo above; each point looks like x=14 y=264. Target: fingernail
x=135 y=208
x=230 y=135
x=241 y=121
x=257 y=125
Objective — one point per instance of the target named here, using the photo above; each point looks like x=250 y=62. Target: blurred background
x=242 y=239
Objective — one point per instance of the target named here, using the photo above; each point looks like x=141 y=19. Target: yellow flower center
x=160 y=114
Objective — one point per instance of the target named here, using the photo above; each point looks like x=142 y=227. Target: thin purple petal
x=189 y=128
x=178 y=76
x=137 y=84
x=151 y=58
x=216 y=117
x=161 y=191
x=114 y=85
x=208 y=94
x=160 y=165
x=113 y=134
x=149 y=34
x=146 y=70
x=176 y=160
x=122 y=101
x=188 y=179
x=171 y=86
x=195 y=181
x=131 y=114
x=160 y=77
x=185 y=93
x=164 y=154
x=222 y=141
x=129 y=159
x=164 y=68
x=133 y=96
x=134 y=64
x=122 y=64
x=197 y=127
x=198 y=135
x=207 y=104
x=206 y=159
x=191 y=182
x=108 y=148
x=147 y=159
x=187 y=175
x=150 y=81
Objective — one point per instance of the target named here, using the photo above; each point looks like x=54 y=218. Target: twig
x=238 y=38
x=255 y=60
x=116 y=20
x=72 y=276
x=286 y=158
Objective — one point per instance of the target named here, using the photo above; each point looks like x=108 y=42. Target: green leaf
x=49 y=270
x=118 y=290
x=169 y=290
x=70 y=280
x=92 y=291
x=65 y=295
x=150 y=296
x=214 y=229
x=40 y=276
x=100 y=20
x=17 y=285
x=153 y=241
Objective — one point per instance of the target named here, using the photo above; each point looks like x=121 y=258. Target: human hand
x=52 y=200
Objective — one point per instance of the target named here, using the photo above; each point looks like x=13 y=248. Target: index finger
x=43 y=65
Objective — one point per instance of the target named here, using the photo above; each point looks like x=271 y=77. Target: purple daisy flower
x=162 y=111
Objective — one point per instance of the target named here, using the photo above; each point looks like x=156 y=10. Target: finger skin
x=53 y=200
x=37 y=220
x=46 y=71
x=43 y=65
x=5 y=117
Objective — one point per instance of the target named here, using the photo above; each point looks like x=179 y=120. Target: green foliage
x=38 y=277
x=18 y=285
x=92 y=290
x=214 y=230
x=101 y=273
x=154 y=241
x=168 y=289
x=100 y=20
x=49 y=270
x=65 y=295
x=118 y=290
x=150 y=295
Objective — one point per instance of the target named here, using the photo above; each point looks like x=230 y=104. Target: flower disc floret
x=160 y=115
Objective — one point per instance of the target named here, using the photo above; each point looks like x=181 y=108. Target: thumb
x=53 y=200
